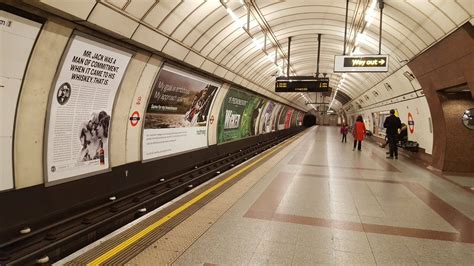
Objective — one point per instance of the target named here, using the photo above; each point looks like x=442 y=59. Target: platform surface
x=315 y=201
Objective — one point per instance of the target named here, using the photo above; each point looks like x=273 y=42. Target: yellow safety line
x=109 y=254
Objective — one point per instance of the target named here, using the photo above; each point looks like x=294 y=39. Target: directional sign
x=361 y=63
x=301 y=84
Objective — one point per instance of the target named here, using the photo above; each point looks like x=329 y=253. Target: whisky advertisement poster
x=81 y=108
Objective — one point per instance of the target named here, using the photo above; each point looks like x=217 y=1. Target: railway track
x=57 y=240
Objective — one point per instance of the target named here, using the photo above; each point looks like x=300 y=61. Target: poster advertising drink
x=238 y=113
x=300 y=119
x=294 y=118
x=18 y=36
x=282 y=117
x=266 y=120
x=275 y=114
x=177 y=113
x=257 y=116
x=81 y=106
x=289 y=114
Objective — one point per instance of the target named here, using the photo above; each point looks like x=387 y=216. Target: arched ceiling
x=218 y=31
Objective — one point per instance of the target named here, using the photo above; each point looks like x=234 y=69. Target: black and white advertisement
x=17 y=35
x=81 y=107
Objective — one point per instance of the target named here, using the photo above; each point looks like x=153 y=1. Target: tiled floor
x=319 y=202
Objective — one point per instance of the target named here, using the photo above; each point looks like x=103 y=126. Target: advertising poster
x=177 y=113
x=266 y=120
x=282 y=117
x=300 y=119
x=257 y=116
x=81 y=106
x=238 y=115
x=294 y=118
x=275 y=114
x=18 y=36
x=289 y=114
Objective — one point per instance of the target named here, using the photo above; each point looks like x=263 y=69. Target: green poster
x=237 y=115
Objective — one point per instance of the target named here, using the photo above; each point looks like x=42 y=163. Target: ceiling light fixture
x=272 y=57
x=235 y=18
x=257 y=44
x=370 y=13
x=361 y=38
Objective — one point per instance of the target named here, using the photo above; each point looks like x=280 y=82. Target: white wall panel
x=219 y=99
x=220 y=71
x=109 y=19
x=117 y=3
x=120 y=115
x=220 y=32
x=230 y=76
x=237 y=79
x=187 y=25
x=421 y=114
x=179 y=14
x=209 y=66
x=138 y=104
x=149 y=38
x=175 y=50
x=194 y=59
x=229 y=42
x=160 y=12
x=79 y=9
x=17 y=35
x=29 y=129
x=139 y=8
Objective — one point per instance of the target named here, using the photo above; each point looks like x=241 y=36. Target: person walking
x=344 y=131
x=392 y=124
x=358 y=132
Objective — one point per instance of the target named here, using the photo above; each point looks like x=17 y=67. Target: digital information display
x=301 y=84
x=361 y=63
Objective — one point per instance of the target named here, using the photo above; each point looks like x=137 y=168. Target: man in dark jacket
x=392 y=124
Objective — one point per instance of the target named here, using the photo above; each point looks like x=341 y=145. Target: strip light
x=271 y=57
x=235 y=18
x=361 y=37
x=369 y=14
x=259 y=45
x=341 y=82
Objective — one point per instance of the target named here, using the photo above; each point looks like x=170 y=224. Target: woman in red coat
x=358 y=132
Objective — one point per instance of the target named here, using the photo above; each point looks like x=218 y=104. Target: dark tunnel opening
x=309 y=120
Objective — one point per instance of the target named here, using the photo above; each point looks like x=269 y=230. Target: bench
x=409 y=145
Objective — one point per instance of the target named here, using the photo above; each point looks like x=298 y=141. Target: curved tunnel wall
x=34 y=196
x=402 y=92
x=449 y=64
x=420 y=93
x=137 y=83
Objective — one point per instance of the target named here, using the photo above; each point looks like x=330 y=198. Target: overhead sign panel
x=361 y=63
x=301 y=84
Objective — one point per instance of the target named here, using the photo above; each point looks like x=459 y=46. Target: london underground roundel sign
x=135 y=118
x=411 y=123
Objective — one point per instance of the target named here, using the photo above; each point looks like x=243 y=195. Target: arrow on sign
x=381 y=61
